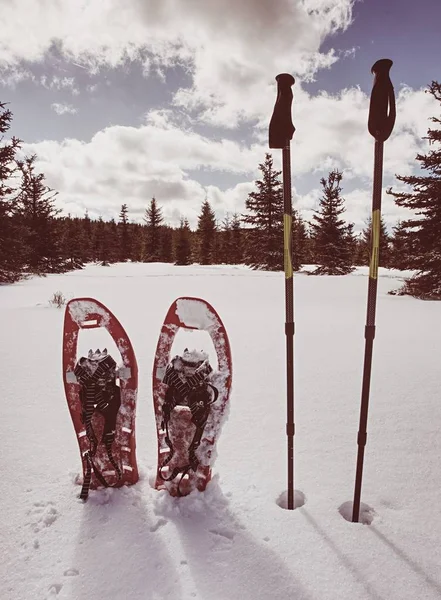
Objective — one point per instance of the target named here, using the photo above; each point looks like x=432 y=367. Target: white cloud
x=63 y=109
x=129 y=164
x=59 y=83
x=232 y=51
x=10 y=76
x=230 y=47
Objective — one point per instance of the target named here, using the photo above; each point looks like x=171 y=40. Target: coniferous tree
x=13 y=250
x=366 y=244
x=111 y=233
x=299 y=241
x=125 y=250
x=37 y=212
x=72 y=242
x=153 y=219
x=206 y=232
x=183 y=244
x=236 y=251
x=424 y=230
x=138 y=243
x=100 y=241
x=330 y=234
x=225 y=241
x=400 y=253
x=265 y=237
x=166 y=244
x=87 y=252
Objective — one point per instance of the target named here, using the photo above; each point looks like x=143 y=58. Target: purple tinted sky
x=407 y=32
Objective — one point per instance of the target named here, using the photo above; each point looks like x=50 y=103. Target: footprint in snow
x=71 y=572
x=160 y=523
x=43 y=514
x=54 y=590
x=225 y=533
x=222 y=539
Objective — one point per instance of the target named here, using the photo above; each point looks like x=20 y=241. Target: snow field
x=233 y=541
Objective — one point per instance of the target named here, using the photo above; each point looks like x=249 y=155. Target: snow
x=235 y=541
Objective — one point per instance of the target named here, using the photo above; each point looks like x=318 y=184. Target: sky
x=122 y=102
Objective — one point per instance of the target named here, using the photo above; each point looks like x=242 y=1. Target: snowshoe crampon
x=190 y=399
x=101 y=398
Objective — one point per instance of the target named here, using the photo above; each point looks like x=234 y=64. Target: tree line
x=36 y=239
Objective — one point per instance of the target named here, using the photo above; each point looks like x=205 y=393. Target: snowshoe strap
x=107 y=400
x=90 y=468
x=200 y=411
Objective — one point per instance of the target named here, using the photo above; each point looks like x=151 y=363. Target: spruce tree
x=72 y=242
x=153 y=219
x=166 y=244
x=37 y=212
x=299 y=241
x=12 y=234
x=206 y=232
x=330 y=234
x=124 y=242
x=138 y=242
x=111 y=234
x=424 y=229
x=87 y=252
x=236 y=250
x=265 y=237
x=366 y=244
x=183 y=244
x=401 y=254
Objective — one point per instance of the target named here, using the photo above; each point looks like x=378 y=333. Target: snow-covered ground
x=233 y=541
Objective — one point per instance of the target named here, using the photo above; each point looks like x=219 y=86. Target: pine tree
x=37 y=212
x=153 y=219
x=124 y=241
x=331 y=239
x=265 y=238
x=183 y=245
x=12 y=234
x=424 y=231
x=206 y=232
x=366 y=244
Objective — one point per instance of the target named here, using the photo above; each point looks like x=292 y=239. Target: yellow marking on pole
x=373 y=268
x=287 y=223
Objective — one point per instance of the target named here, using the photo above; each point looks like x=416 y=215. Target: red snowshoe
x=103 y=412
x=190 y=399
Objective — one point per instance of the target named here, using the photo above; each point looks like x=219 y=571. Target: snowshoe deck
x=87 y=313
x=173 y=454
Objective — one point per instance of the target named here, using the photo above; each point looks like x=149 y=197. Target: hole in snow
x=366 y=515
x=194 y=339
x=299 y=499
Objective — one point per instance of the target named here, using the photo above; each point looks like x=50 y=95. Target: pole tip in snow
x=382 y=105
x=281 y=128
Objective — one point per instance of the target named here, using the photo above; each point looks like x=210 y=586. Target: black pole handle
x=281 y=128
x=382 y=106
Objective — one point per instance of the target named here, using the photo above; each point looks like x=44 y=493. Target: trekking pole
x=380 y=124
x=281 y=130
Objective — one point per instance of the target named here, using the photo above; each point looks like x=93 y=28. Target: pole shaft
x=370 y=324
x=289 y=317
